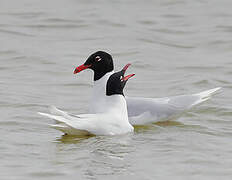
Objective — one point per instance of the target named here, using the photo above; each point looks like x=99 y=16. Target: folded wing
x=148 y=110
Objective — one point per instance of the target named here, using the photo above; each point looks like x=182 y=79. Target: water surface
x=175 y=46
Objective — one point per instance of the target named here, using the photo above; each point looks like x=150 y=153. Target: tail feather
x=55 y=117
x=55 y=111
x=64 y=125
x=61 y=126
x=66 y=121
x=69 y=130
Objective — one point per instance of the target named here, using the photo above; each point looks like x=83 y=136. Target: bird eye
x=98 y=58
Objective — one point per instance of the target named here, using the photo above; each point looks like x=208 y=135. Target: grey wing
x=156 y=109
x=147 y=110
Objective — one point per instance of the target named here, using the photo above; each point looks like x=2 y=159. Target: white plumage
x=140 y=110
x=143 y=111
x=112 y=122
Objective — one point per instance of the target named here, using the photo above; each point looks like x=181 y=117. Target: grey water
x=175 y=47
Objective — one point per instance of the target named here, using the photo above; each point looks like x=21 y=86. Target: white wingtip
x=205 y=95
x=40 y=113
x=208 y=93
x=55 y=111
x=46 y=115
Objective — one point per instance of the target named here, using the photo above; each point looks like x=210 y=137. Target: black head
x=117 y=82
x=100 y=62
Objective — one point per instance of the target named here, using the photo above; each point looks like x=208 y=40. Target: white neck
x=99 y=94
x=100 y=85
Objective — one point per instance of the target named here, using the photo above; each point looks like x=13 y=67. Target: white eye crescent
x=98 y=58
x=121 y=78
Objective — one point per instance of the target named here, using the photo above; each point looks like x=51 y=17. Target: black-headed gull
x=140 y=110
x=114 y=119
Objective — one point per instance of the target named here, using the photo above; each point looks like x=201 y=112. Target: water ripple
x=56 y=26
x=16 y=33
x=165 y=43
